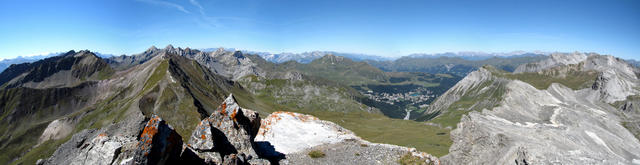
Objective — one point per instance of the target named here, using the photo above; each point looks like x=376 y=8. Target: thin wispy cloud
x=166 y=4
x=195 y=3
x=202 y=18
x=205 y=20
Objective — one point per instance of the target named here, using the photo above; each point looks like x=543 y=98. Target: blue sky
x=387 y=28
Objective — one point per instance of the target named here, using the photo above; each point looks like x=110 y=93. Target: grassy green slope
x=374 y=127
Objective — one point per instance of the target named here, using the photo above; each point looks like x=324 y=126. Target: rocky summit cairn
x=226 y=137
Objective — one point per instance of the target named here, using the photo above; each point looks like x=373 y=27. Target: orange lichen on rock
x=149 y=131
x=233 y=114
x=224 y=109
x=203 y=137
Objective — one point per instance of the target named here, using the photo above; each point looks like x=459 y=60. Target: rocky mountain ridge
x=231 y=64
x=69 y=68
x=557 y=124
x=170 y=86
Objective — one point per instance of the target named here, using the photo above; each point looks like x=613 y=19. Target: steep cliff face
x=553 y=124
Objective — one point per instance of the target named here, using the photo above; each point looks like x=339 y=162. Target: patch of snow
x=292 y=132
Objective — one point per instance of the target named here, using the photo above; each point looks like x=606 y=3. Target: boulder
x=227 y=135
x=159 y=143
x=90 y=147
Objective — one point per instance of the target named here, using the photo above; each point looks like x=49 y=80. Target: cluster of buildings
x=417 y=96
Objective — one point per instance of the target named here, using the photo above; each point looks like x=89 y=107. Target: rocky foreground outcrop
x=227 y=137
x=157 y=143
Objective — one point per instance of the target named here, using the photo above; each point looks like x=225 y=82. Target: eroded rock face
x=57 y=129
x=88 y=148
x=556 y=59
x=616 y=79
x=553 y=126
x=227 y=135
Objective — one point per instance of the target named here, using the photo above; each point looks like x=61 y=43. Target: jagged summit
x=231 y=64
x=152 y=48
x=219 y=50
x=169 y=47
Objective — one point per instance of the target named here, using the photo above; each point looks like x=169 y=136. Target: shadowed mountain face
x=67 y=69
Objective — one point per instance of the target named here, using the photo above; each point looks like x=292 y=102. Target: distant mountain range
x=5 y=63
x=479 y=55
x=307 y=57
x=454 y=64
